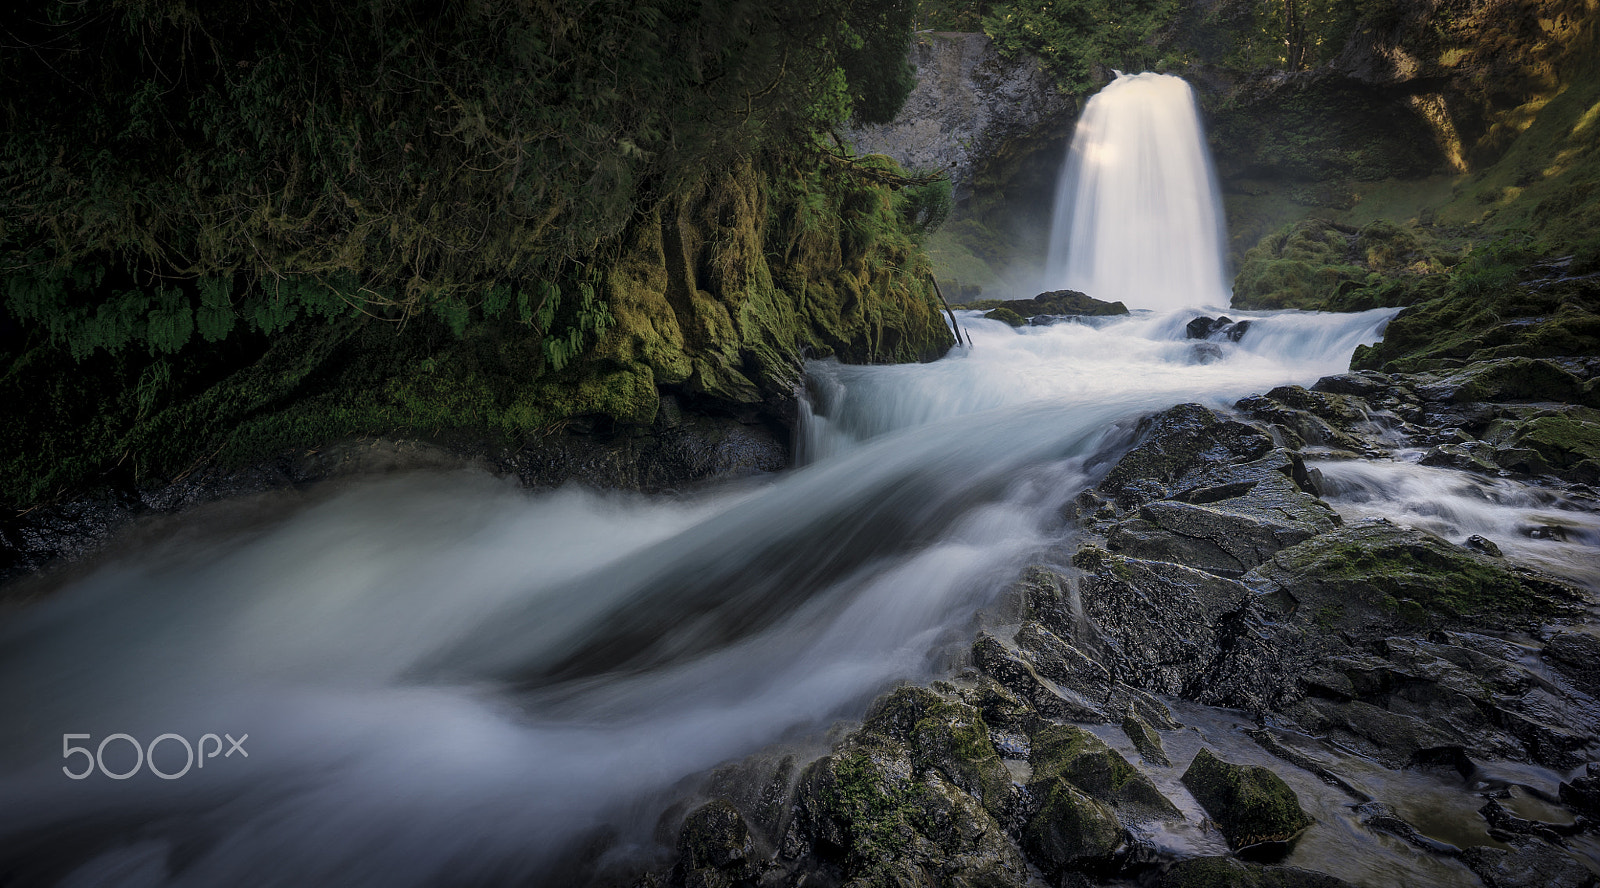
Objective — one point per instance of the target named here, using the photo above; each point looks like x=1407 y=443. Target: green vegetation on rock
x=1375 y=571
x=1250 y=803
x=213 y=247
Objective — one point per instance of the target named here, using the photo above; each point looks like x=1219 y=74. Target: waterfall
x=1137 y=215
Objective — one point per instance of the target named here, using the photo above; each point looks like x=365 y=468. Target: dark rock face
x=680 y=449
x=1072 y=302
x=899 y=800
x=1219 y=328
x=1250 y=803
x=714 y=849
x=1206 y=872
x=1180 y=449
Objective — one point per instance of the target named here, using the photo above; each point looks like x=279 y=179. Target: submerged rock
x=1211 y=328
x=1216 y=872
x=1250 y=804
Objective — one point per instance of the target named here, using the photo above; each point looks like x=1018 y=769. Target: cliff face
x=1426 y=88
x=969 y=108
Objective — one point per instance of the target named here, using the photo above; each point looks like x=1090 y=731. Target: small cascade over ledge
x=1137 y=216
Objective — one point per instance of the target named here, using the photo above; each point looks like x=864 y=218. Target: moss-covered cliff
x=236 y=229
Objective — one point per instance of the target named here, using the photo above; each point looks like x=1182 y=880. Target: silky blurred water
x=446 y=678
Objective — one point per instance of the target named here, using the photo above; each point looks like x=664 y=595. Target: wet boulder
x=1161 y=622
x=1375 y=574
x=1509 y=379
x=1317 y=418
x=1564 y=442
x=714 y=849
x=1177 y=447
x=1072 y=831
x=1527 y=864
x=1229 y=535
x=1145 y=739
x=1576 y=655
x=1250 y=804
x=944 y=735
x=1074 y=303
x=1006 y=316
x=1224 y=327
x=889 y=805
x=1072 y=754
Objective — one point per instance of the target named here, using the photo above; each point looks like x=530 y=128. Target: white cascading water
x=444 y=677
x=1138 y=218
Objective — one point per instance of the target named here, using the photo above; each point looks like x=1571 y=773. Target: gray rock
x=1527 y=865
x=969 y=104
x=1160 y=622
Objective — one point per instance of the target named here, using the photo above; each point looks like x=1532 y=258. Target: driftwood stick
x=953 y=325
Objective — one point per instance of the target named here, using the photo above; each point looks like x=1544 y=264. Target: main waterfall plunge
x=1137 y=217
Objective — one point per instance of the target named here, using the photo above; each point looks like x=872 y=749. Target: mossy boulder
x=945 y=735
x=1475 y=322
x=1070 y=753
x=1072 y=830
x=1145 y=739
x=1566 y=441
x=1065 y=303
x=1006 y=316
x=1250 y=804
x=1509 y=379
x=883 y=808
x=1365 y=576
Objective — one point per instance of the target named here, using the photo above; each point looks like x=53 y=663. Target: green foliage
x=178 y=168
x=951 y=15
x=1288 y=35
x=925 y=207
x=875 y=58
x=1075 y=37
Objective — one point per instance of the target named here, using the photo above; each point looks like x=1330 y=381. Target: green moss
x=944 y=735
x=1071 y=829
x=1370 y=564
x=693 y=300
x=1007 y=316
x=876 y=812
x=1065 y=753
x=1250 y=803
x=1563 y=440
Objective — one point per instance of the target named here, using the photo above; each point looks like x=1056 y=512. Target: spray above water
x=1137 y=217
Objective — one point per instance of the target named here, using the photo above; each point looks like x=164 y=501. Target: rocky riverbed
x=1223 y=680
